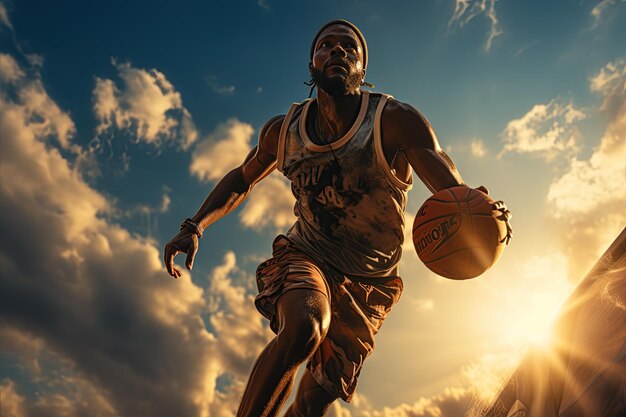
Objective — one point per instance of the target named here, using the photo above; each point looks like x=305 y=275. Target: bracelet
x=192 y=226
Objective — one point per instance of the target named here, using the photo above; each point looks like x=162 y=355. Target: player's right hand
x=184 y=242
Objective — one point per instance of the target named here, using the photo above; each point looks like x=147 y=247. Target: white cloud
x=487 y=373
x=589 y=197
x=83 y=257
x=4 y=17
x=270 y=202
x=466 y=10
x=79 y=398
x=452 y=402
x=234 y=317
x=601 y=9
x=130 y=334
x=147 y=106
x=10 y=72
x=225 y=90
x=478 y=149
x=222 y=150
x=46 y=119
x=148 y=214
x=12 y=401
x=546 y=130
x=595 y=183
x=423 y=304
x=610 y=83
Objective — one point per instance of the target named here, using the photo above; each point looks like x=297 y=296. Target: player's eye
x=324 y=44
x=351 y=45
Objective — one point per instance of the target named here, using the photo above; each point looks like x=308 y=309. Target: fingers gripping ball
x=460 y=232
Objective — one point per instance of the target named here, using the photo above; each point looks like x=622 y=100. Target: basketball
x=459 y=232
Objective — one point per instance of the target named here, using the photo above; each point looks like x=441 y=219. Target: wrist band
x=192 y=226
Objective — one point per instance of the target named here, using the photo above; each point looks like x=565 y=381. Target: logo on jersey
x=329 y=196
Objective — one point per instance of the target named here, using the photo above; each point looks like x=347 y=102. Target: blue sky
x=119 y=117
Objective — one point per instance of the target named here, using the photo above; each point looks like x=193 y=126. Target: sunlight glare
x=533 y=302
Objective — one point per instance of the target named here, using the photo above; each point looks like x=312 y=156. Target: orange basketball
x=457 y=233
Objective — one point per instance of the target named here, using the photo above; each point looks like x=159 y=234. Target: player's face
x=337 y=65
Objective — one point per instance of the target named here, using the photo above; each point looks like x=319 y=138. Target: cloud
x=225 y=90
x=466 y=10
x=478 y=149
x=78 y=399
x=222 y=150
x=270 y=202
x=10 y=72
x=600 y=9
x=148 y=214
x=609 y=82
x=4 y=17
x=422 y=304
x=146 y=106
x=546 y=130
x=452 y=402
x=265 y=4
x=588 y=199
x=45 y=118
x=12 y=402
x=234 y=317
x=87 y=309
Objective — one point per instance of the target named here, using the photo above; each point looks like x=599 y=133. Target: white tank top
x=349 y=203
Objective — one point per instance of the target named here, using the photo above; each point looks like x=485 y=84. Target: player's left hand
x=184 y=242
x=505 y=216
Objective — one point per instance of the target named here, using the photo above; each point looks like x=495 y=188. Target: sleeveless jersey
x=349 y=203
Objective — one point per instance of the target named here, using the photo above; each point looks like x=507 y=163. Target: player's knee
x=304 y=321
x=301 y=336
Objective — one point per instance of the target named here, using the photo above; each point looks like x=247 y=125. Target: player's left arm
x=406 y=132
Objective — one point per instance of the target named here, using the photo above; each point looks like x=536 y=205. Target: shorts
x=357 y=312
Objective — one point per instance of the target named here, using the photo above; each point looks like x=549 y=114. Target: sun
x=530 y=303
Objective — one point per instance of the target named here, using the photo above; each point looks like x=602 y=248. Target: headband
x=343 y=23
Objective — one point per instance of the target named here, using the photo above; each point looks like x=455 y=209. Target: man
x=333 y=278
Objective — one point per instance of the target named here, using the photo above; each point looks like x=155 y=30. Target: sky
x=117 y=119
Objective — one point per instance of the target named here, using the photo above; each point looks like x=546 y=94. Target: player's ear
x=363 y=77
x=311 y=68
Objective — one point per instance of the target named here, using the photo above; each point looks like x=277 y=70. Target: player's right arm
x=227 y=194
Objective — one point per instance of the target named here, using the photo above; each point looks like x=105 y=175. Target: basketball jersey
x=349 y=203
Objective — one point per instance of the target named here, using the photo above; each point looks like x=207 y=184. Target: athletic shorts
x=358 y=310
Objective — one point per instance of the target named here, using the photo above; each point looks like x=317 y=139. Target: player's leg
x=311 y=399
x=304 y=317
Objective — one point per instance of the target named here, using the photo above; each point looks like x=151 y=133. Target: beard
x=336 y=86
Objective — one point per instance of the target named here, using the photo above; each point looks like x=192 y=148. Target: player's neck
x=336 y=114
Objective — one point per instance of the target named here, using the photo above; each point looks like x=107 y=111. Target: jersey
x=349 y=203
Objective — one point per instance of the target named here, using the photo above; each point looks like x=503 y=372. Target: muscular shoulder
x=268 y=137
x=404 y=127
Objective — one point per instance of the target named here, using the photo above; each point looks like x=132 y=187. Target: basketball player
x=333 y=277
